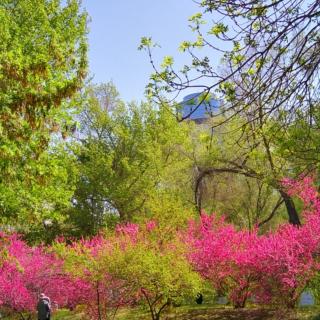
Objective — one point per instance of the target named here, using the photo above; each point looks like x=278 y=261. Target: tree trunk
x=157 y=314
x=291 y=209
x=152 y=310
x=21 y=315
x=241 y=303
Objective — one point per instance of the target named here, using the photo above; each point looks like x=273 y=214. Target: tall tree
x=127 y=153
x=269 y=74
x=43 y=63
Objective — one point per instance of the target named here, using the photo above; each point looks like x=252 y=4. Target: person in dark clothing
x=199 y=298
x=43 y=307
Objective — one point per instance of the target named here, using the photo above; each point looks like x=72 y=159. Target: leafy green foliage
x=238 y=174
x=267 y=81
x=164 y=277
x=128 y=155
x=40 y=190
x=43 y=63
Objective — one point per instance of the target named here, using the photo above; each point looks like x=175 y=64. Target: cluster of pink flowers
x=274 y=267
x=28 y=271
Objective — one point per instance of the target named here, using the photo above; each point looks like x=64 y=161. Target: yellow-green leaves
x=259 y=11
x=218 y=29
x=126 y=159
x=145 y=42
x=185 y=45
x=229 y=89
x=197 y=18
x=37 y=71
x=167 y=62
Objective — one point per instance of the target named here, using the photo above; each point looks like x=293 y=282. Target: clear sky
x=116 y=28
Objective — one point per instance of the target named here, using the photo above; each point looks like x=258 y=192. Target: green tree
x=128 y=155
x=161 y=276
x=35 y=201
x=240 y=167
x=43 y=62
x=268 y=77
x=300 y=144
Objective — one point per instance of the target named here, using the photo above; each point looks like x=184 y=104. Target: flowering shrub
x=27 y=271
x=274 y=267
x=224 y=256
x=81 y=262
x=134 y=264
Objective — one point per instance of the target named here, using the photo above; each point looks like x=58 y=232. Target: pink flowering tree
x=287 y=264
x=291 y=254
x=28 y=271
x=84 y=260
x=224 y=256
x=275 y=267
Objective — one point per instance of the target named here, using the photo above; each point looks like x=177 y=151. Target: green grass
x=209 y=312
x=66 y=315
x=205 y=312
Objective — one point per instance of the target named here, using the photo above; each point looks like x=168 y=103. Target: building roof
x=199 y=110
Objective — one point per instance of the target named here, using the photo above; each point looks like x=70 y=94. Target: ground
x=209 y=312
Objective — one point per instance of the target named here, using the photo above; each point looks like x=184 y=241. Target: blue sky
x=116 y=28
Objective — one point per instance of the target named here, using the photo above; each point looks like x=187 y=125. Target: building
x=198 y=110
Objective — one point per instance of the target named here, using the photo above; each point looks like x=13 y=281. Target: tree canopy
x=269 y=50
x=126 y=154
x=43 y=64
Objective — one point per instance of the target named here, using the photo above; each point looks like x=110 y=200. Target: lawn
x=206 y=312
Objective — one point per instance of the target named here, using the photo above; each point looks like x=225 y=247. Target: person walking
x=43 y=307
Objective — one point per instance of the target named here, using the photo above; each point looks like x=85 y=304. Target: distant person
x=43 y=307
x=199 y=298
